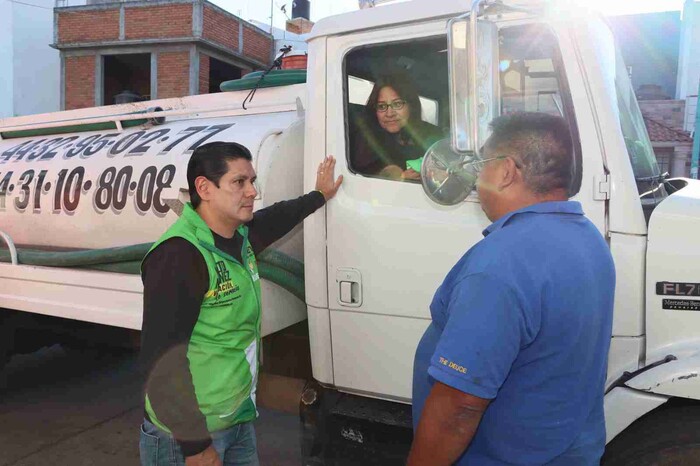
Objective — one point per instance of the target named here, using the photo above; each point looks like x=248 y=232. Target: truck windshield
x=644 y=165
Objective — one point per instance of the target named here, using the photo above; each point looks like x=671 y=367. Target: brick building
x=154 y=49
x=672 y=145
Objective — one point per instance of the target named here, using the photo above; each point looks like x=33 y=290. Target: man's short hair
x=542 y=145
x=211 y=161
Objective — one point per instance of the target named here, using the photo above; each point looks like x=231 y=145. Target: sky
x=259 y=10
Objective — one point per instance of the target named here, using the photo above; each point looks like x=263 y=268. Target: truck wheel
x=668 y=437
x=7 y=339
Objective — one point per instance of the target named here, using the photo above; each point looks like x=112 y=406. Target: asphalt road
x=62 y=408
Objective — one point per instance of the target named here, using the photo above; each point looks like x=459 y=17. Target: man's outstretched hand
x=326 y=182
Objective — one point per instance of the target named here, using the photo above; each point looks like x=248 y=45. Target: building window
x=220 y=72
x=664 y=157
x=126 y=77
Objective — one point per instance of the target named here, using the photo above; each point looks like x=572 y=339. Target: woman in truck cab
x=392 y=135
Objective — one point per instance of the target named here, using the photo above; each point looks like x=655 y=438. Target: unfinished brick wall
x=158 y=22
x=256 y=45
x=668 y=112
x=88 y=26
x=203 y=73
x=173 y=74
x=80 y=82
x=220 y=28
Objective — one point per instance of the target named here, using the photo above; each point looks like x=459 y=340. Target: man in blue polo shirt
x=511 y=370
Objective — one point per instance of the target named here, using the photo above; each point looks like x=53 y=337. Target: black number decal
x=121 y=187
x=165 y=177
x=78 y=148
x=187 y=133
x=149 y=138
x=212 y=130
x=103 y=195
x=35 y=154
x=25 y=180
x=74 y=185
x=59 y=190
x=25 y=150
x=52 y=152
x=144 y=193
x=7 y=155
x=125 y=143
x=98 y=145
x=4 y=186
x=38 y=188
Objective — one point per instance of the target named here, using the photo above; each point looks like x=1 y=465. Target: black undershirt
x=175 y=279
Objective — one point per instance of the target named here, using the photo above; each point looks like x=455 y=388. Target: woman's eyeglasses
x=395 y=105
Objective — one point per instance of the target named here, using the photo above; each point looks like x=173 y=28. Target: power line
x=29 y=4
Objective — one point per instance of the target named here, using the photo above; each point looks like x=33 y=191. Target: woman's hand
x=393 y=172
x=325 y=178
x=410 y=174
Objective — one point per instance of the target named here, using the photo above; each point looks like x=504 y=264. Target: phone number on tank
x=132 y=144
x=31 y=190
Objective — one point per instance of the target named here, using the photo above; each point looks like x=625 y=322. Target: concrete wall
x=37 y=78
x=689 y=58
x=29 y=67
x=6 y=53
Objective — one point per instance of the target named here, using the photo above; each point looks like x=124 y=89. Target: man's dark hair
x=211 y=161
x=541 y=143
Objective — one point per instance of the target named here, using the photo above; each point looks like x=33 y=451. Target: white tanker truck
x=82 y=191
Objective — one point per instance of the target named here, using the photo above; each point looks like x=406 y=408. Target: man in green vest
x=200 y=338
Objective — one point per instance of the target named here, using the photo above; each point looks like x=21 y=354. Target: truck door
x=389 y=246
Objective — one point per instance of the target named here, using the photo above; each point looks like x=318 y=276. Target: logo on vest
x=251 y=263
x=253 y=273
x=224 y=285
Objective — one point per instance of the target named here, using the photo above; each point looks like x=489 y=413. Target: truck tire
x=667 y=437
x=7 y=340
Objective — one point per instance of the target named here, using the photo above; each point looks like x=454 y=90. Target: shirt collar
x=555 y=207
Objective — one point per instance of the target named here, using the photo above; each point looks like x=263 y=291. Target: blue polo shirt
x=525 y=319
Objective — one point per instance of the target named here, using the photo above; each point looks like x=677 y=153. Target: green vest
x=224 y=348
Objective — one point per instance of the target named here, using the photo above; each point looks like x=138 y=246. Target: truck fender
x=623 y=406
x=677 y=378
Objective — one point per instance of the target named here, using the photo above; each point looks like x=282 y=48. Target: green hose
x=78 y=258
x=273 y=265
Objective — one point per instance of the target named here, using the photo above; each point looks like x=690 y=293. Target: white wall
x=6 y=52
x=29 y=67
x=282 y=38
x=36 y=64
x=689 y=58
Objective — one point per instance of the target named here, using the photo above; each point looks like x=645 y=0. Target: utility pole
x=272 y=35
x=695 y=161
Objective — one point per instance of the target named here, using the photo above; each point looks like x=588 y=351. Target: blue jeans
x=236 y=446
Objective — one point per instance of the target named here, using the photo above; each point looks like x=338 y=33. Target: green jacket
x=223 y=351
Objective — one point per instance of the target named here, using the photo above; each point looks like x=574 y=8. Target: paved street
x=64 y=409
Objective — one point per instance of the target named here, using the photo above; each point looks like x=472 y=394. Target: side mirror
x=474 y=87
x=447 y=173
x=447 y=176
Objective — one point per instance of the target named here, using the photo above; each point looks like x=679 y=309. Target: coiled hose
x=273 y=265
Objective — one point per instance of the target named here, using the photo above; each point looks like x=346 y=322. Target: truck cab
x=375 y=260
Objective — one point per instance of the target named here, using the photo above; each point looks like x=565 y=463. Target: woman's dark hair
x=403 y=86
x=211 y=161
